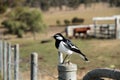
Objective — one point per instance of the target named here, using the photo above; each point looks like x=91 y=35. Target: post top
x=67 y=67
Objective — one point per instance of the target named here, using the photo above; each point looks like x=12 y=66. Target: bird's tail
x=84 y=57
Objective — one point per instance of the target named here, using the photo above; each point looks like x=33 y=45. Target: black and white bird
x=66 y=46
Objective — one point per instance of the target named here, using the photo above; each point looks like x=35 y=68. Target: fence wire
x=41 y=71
x=24 y=69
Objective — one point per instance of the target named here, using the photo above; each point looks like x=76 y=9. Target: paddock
x=98 y=30
x=10 y=56
x=107 y=30
x=72 y=30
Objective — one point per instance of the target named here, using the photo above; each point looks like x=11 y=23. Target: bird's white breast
x=63 y=49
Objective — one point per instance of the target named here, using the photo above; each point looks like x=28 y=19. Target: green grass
x=101 y=53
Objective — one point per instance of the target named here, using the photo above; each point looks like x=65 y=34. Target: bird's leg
x=65 y=59
x=69 y=58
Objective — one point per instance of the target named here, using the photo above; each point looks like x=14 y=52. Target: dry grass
x=87 y=13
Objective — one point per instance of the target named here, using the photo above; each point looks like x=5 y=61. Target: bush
x=21 y=20
x=13 y=26
x=66 y=22
x=76 y=20
x=20 y=33
x=2 y=9
x=58 y=22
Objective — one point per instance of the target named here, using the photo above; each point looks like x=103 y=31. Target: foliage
x=47 y=4
x=2 y=9
x=76 y=20
x=67 y=22
x=13 y=26
x=44 y=5
x=20 y=33
x=114 y=3
x=58 y=22
x=73 y=3
x=21 y=20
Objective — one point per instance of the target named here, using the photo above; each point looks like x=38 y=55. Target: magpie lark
x=66 y=46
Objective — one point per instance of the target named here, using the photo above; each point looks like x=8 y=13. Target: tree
x=22 y=19
x=72 y=3
x=44 y=5
x=114 y=3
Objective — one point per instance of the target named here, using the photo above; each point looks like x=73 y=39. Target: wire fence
x=11 y=69
x=10 y=65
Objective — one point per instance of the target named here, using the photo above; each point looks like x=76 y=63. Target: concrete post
x=67 y=71
x=9 y=69
x=1 y=57
x=34 y=66
x=117 y=24
x=16 y=62
x=5 y=61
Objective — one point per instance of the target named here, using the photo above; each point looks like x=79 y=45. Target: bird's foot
x=68 y=61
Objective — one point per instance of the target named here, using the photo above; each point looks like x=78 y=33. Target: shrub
x=76 y=20
x=58 y=22
x=21 y=20
x=66 y=22
x=2 y=9
x=20 y=33
x=14 y=27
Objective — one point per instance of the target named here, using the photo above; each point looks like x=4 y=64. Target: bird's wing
x=71 y=46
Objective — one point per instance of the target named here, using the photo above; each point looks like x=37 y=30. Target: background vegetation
x=46 y=5
x=21 y=20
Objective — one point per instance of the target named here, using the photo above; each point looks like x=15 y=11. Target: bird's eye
x=59 y=38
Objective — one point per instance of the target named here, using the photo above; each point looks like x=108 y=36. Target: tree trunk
x=97 y=74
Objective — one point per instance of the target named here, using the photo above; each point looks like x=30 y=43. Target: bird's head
x=58 y=36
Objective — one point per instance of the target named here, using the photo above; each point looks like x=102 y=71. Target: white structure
x=116 y=19
x=93 y=27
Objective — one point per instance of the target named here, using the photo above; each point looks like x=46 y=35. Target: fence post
x=34 y=65
x=5 y=61
x=67 y=71
x=1 y=57
x=16 y=62
x=9 y=61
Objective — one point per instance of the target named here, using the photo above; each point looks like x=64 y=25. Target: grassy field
x=101 y=53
